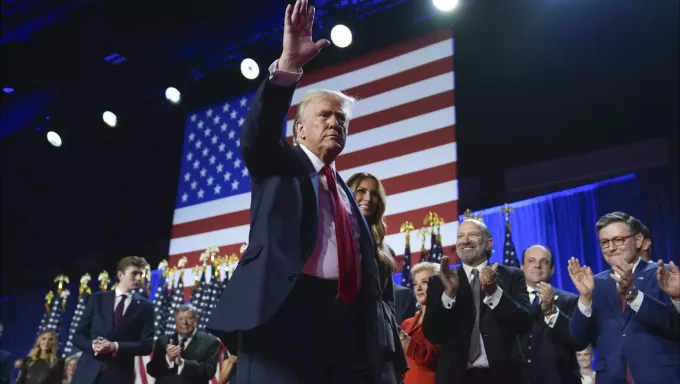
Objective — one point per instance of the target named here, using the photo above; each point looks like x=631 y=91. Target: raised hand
x=298 y=46
x=669 y=281
x=449 y=278
x=583 y=280
x=488 y=279
x=173 y=351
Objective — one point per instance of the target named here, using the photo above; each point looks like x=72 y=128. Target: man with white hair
x=305 y=302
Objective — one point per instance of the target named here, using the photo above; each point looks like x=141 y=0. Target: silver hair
x=187 y=307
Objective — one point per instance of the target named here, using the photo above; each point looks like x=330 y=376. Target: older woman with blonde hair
x=42 y=366
x=420 y=353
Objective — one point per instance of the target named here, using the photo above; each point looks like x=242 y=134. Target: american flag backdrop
x=402 y=131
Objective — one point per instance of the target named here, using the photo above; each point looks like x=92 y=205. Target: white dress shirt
x=492 y=301
x=119 y=296
x=634 y=305
x=323 y=262
x=171 y=364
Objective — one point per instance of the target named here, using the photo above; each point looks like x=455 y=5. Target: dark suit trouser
x=314 y=338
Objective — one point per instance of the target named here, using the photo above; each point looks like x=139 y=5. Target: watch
x=632 y=294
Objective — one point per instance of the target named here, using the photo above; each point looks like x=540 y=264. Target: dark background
x=535 y=81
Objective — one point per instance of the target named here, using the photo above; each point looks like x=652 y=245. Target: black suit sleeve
x=261 y=139
x=144 y=344
x=203 y=370
x=158 y=366
x=438 y=319
x=405 y=304
x=513 y=309
x=560 y=331
x=82 y=338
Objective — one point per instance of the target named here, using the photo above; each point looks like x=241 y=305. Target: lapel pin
x=641 y=278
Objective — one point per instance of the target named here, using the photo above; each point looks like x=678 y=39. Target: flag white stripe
x=398 y=96
x=405 y=201
x=382 y=69
x=402 y=129
x=396 y=166
x=402 y=165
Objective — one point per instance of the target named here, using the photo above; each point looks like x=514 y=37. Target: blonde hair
x=377 y=223
x=51 y=357
x=322 y=94
x=424 y=266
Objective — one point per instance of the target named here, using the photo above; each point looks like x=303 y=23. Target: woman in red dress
x=420 y=353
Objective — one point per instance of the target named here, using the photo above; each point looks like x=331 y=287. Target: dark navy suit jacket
x=644 y=339
x=134 y=336
x=283 y=229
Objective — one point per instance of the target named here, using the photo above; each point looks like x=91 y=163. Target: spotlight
x=173 y=95
x=341 y=36
x=250 y=69
x=54 y=139
x=445 y=5
x=110 y=118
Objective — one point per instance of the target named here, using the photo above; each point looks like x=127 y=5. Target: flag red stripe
x=396 y=148
x=403 y=183
x=375 y=57
x=398 y=80
x=142 y=371
x=420 y=179
x=448 y=211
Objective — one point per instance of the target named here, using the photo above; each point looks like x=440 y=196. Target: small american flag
x=509 y=252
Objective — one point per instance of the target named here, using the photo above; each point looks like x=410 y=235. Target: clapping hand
x=583 y=280
x=623 y=276
x=669 y=281
x=173 y=352
x=488 y=279
x=448 y=277
x=545 y=294
x=101 y=346
x=298 y=46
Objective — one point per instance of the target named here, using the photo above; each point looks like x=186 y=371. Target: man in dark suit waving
x=306 y=299
x=190 y=356
x=549 y=347
x=116 y=326
x=477 y=313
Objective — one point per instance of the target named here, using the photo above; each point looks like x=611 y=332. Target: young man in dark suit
x=190 y=356
x=116 y=326
x=477 y=313
x=549 y=348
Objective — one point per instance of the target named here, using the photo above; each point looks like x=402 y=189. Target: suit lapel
x=193 y=345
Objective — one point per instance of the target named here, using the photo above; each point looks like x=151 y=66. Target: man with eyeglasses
x=623 y=311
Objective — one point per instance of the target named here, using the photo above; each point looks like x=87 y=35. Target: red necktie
x=348 y=280
x=629 y=376
x=118 y=313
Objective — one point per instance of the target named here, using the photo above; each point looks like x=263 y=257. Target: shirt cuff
x=586 y=311
x=552 y=319
x=283 y=78
x=676 y=304
x=180 y=367
x=493 y=300
x=635 y=304
x=114 y=352
x=170 y=363
x=447 y=302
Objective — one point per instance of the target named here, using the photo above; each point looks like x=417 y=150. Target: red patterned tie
x=629 y=376
x=348 y=280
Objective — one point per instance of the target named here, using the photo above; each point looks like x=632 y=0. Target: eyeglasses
x=617 y=241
